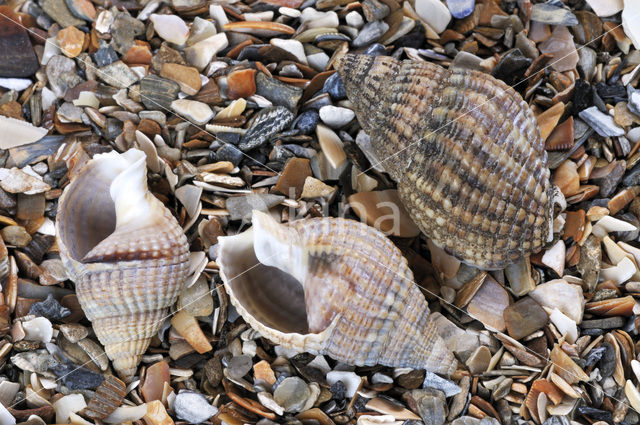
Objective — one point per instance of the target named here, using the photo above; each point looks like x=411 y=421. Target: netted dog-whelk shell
x=124 y=250
x=331 y=286
x=465 y=150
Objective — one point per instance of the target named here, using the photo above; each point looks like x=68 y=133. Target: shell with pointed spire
x=465 y=151
x=331 y=286
x=124 y=250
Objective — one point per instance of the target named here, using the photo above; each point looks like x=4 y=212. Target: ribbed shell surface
x=465 y=151
x=362 y=305
x=125 y=279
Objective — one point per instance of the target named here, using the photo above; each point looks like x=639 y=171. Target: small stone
x=240 y=207
x=198 y=112
x=74 y=332
x=430 y=404
x=354 y=19
x=157 y=414
x=170 y=28
x=61 y=73
x=314 y=188
x=294 y=174
x=478 y=362
x=15 y=235
x=292 y=46
x=278 y=92
x=228 y=152
x=335 y=87
x=606 y=323
x=82 y=9
x=77 y=378
x=630 y=21
x=524 y=317
x=213 y=371
x=488 y=304
x=434 y=13
x=566 y=178
x=560 y=294
x=411 y=380
x=192 y=407
x=104 y=56
x=553 y=15
x=38 y=329
x=560 y=44
x=49 y=308
x=587 y=63
x=604 y=8
x=315 y=19
x=634 y=100
x=267 y=123
x=117 y=74
x=59 y=12
x=124 y=30
x=349 y=379
x=68 y=404
x=306 y=122
x=370 y=33
x=138 y=54
x=196 y=299
x=166 y=54
x=200 y=54
x=239 y=366
x=157 y=93
x=155 y=378
x=512 y=64
x=188 y=78
x=18 y=57
x=335 y=116
x=461 y=8
x=262 y=373
x=292 y=394
x=241 y=84
x=603 y=124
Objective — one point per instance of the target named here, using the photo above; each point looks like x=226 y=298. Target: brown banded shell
x=465 y=151
x=124 y=250
x=331 y=286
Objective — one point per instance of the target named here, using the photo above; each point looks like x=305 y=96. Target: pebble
x=524 y=317
x=370 y=33
x=603 y=124
x=195 y=111
x=335 y=116
x=82 y=9
x=59 y=12
x=292 y=394
x=77 y=378
x=61 y=73
x=15 y=235
x=200 y=54
x=192 y=407
x=431 y=405
x=277 y=92
x=38 y=329
x=124 y=30
x=633 y=100
x=267 y=123
x=291 y=181
x=561 y=45
x=187 y=77
x=434 y=13
x=213 y=371
x=241 y=84
x=606 y=323
x=74 y=332
x=350 y=380
x=170 y=28
x=449 y=388
x=461 y=8
x=49 y=308
x=241 y=207
x=155 y=378
x=553 y=15
x=312 y=18
x=306 y=122
x=630 y=22
x=157 y=93
x=292 y=46
x=117 y=74
x=228 y=152
x=354 y=19
x=239 y=366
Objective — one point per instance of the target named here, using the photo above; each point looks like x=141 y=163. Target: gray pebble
x=192 y=407
x=292 y=394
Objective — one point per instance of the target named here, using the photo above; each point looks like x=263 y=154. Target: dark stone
x=76 y=377
x=307 y=121
x=104 y=56
x=609 y=182
x=157 y=93
x=124 y=30
x=233 y=138
x=597 y=414
x=266 y=124
x=16 y=51
x=338 y=390
x=612 y=93
x=376 y=49
x=582 y=97
x=605 y=323
x=607 y=362
x=414 y=39
x=40 y=243
x=278 y=92
x=557 y=420
x=512 y=66
x=49 y=308
x=113 y=128
x=335 y=87
x=228 y=152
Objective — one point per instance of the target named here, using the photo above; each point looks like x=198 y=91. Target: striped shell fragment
x=331 y=286
x=465 y=151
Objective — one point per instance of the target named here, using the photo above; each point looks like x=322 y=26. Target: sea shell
x=331 y=286
x=465 y=151
x=124 y=250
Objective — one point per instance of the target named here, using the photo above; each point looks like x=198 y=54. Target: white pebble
x=6 y=418
x=198 y=112
x=354 y=19
x=292 y=46
x=170 y=28
x=335 y=116
x=287 y=11
x=38 y=329
x=434 y=13
x=71 y=403
x=126 y=414
x=315 y=19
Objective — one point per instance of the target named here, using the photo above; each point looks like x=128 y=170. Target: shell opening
x=265 y=271
x=92 y=204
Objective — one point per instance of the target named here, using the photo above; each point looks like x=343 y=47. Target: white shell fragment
x=170 y=28
x=17 y=133
x=38 y=329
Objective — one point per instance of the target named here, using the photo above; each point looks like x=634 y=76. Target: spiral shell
x=124 y=250
x=465 y=151
x=331 y=286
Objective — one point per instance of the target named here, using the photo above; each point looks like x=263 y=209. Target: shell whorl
x=331 y=286
x=465 y=150
x=124 y=250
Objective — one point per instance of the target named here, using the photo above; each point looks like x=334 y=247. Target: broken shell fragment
x=331 y=286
